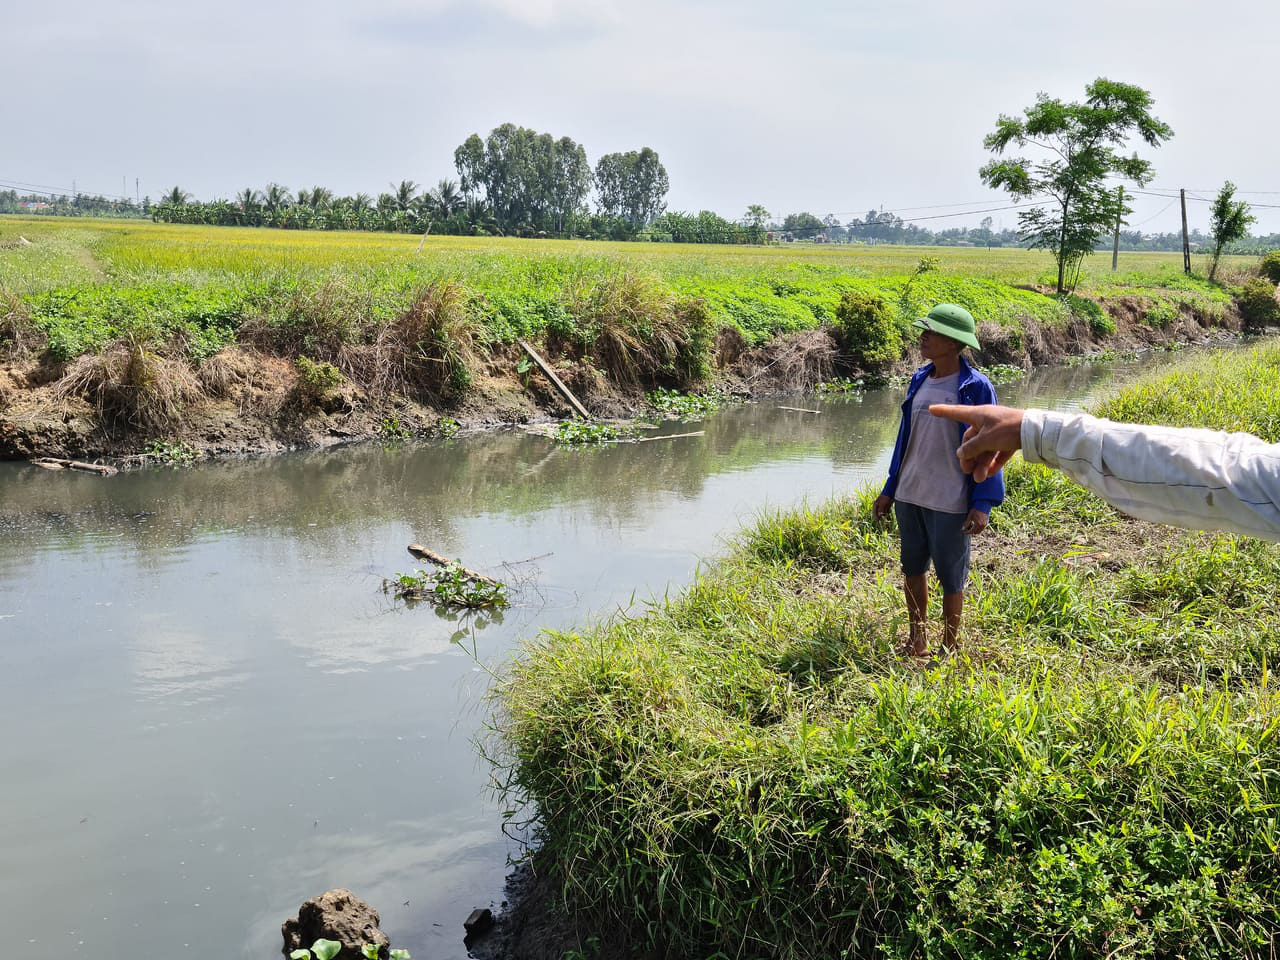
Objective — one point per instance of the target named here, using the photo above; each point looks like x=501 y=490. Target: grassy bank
x=86 y=284
x=748 y=770
x=144 y=322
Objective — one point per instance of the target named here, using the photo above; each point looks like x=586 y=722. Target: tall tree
x=528 y=180
x=177 y=196
x=802 y=226
x=632 y=185
x=1228 y=222
x=1080 y=146
x=754 y=220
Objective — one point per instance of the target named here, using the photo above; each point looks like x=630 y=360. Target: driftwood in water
x=565 y=392
x=440 y=560
x=800 y=409
x=57 y=463
x=665 y=436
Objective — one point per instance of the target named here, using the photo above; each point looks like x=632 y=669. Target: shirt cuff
x=1039 y=436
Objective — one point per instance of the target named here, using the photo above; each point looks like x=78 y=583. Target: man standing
x=938 y=506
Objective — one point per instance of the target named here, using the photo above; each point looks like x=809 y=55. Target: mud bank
x=243 y=401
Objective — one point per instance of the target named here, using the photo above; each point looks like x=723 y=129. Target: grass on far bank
x=749 y=770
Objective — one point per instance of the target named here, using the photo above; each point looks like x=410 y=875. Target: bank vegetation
x=748 y=769
x=117 y=336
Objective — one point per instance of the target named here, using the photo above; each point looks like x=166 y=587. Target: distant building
x=33 y=204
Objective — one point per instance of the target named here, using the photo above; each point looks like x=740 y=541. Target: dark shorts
x=940 y=537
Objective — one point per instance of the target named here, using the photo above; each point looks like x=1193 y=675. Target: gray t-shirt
x=930 y=474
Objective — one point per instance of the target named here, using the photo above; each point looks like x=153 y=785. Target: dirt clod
x=339 y=915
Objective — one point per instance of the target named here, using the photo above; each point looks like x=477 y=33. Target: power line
x=55 y=191
x=1149 y=219
x=1165 y=196
x=115 y=198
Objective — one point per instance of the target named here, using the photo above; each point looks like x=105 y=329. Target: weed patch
x=449 y=586
x=580 y=433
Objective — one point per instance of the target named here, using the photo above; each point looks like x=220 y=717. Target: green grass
x=1228 y=391
x=749 y=770
x=86 y=284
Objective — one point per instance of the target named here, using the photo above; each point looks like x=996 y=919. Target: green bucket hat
x=950 y=320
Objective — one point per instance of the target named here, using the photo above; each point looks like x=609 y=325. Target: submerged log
x=57 y=463
x=440 y=560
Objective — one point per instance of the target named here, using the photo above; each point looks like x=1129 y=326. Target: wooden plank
x=800 y=409
x=565 y=392
x=440 y=560
x=665 y=436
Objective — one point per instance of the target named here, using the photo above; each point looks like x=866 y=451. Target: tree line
x=514 y=182
x=78 y=205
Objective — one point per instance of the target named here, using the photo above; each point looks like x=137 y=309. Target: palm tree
x=361 y=205
x=446 y=199
x=276 y=198
x=321 y=197
x=177 y=196
x=248 y=198
x=405 y=194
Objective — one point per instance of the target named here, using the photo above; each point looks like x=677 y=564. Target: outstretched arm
x=1200 y=479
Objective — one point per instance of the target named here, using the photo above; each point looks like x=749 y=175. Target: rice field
x=88 y=283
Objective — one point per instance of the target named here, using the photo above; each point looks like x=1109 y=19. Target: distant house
x=33 y=204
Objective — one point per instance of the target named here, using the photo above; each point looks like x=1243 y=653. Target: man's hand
x=975 y=523
x=994 y=434
x=880 y=509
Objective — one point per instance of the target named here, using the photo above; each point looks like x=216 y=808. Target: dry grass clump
x=639 y=333
x=226 y=373
x=316 y=320
x=793 y=362
x=432 y=349
x=130 y=383
x=18 y=335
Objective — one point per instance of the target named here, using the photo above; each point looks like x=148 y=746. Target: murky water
x=211 y=712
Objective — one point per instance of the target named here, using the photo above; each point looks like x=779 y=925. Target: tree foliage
x=803 y=226
x=1080 y=147
x=1229 y=221
x=532 y=182
x=632 y=186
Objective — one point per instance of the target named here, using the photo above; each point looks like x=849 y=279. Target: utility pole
x=137 y=193
x=1186 y=241
x=1115 y=250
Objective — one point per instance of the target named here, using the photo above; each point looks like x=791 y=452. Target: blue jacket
x=974 y=389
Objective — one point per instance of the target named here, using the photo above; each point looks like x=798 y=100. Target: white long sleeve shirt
x=1199 y=479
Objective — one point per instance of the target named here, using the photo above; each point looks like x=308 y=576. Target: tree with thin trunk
x=1229 y=221
x=1080 y=146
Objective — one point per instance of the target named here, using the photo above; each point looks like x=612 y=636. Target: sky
x=817 y=105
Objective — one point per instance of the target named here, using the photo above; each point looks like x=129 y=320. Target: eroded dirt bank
x=116 y=406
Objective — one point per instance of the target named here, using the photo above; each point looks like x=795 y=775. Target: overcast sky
x=830 y=107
